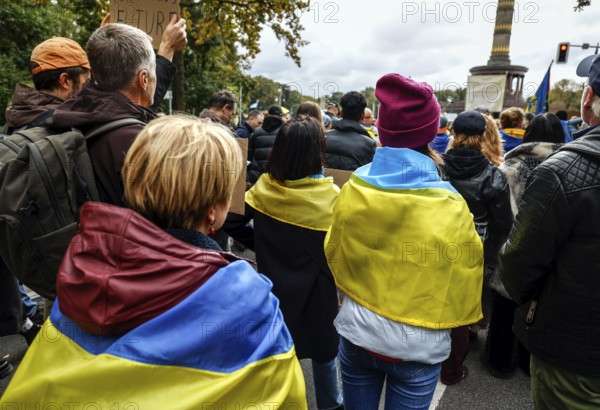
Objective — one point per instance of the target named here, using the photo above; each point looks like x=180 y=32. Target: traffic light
x=563 y=52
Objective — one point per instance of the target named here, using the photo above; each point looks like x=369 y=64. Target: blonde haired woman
x=149 y=310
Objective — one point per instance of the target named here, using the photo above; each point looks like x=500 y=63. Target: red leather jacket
x=120 y=270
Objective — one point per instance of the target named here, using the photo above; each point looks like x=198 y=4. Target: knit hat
x=409 y=113
x=469 y=123
x=443 y=121
x=58 y=52
x=278 y=111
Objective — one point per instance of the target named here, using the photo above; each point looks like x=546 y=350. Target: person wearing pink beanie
x=409 y=113
x=411 y=273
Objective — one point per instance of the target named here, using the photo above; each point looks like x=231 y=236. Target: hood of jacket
x=588 y=145
x=121 y=270
x=461 y=163
x=206 y=113
x=93 y=106
x=350 y=126
x=537 y=150
x=272 y=123
x=28 y=104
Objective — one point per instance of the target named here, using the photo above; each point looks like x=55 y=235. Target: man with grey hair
x=60 y=68
x=122 y=86
x=551 y=261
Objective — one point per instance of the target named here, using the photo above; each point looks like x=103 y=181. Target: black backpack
x=44 y=180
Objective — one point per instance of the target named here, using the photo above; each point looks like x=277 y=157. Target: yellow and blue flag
x=225 y=346
x=403 y=243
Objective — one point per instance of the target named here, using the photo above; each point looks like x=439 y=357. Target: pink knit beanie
x=409 y=113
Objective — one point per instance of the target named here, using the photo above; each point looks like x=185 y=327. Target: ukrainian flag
x=403 y=243
x=223 y=347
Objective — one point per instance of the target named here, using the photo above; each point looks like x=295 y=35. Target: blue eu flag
x=538 y=103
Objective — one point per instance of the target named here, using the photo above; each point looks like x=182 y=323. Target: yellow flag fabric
x=224 y=347
x=102 y=381
x=404 y=244
x=515 y=132
x=306 y=202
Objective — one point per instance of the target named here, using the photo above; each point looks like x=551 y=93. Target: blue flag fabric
x=538 y=104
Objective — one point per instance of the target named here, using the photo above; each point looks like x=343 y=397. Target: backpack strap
x=113 y=125
x=11 y=145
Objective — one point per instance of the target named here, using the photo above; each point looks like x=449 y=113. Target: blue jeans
x=327 y=384
x=410 y=385
x=29 y=306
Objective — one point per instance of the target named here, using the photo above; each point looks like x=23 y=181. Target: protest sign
x=340 y=177
x=151 y=16
x=238 y=199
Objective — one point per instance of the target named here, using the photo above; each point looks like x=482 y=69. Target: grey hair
x=596 y=106
x=117 y=52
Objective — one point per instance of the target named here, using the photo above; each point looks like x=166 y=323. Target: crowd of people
x=443 y=230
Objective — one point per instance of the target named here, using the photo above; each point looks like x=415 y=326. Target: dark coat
x=244 y=130
x=289 y=245
x=349 y=146
x=294 y=259
x=11 y=308
x=260 y=146
x=553 y=257
x=31 y=108
x=91 y=108
x=485 y=189
x=27 y=105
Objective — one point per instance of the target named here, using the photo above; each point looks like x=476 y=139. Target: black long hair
x=298 y=150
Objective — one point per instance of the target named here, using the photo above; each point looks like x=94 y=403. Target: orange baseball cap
x=58 y=52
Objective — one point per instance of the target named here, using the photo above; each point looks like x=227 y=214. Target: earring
x=211 y=231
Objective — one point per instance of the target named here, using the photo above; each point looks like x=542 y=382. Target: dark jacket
x=91 y=108
x=553 y=256
x=27 y=105
x=30 y=107
x=85 y=289
x=260 y=146
x=486 y=191
x=165 y=73
x=244 y=130
x=349 y=146
x=290 y=252
x=11 y=307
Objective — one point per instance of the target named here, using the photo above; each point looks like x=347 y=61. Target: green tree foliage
x=223 y=37
x=24 y=25
x=84 y=17
x=268 y=92
x=449 y=96
x=240 y=23
x=581 y=4
x=10 y=76
x=219 y=29
x=566 y=95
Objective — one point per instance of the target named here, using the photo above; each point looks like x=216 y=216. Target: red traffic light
x=563 y=53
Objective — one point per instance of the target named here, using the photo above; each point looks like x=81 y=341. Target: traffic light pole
x=585 y=46
x=562 y=54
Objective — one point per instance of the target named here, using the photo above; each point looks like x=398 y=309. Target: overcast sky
x=353 y=43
